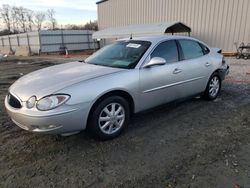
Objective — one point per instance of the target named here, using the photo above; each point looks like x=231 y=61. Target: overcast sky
x=67 y=11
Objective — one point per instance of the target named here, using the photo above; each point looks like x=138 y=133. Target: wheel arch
x=220 y=74
x=121 y=93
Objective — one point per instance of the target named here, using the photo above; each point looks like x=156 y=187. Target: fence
x=25 y=39
x=50 y=41
x=53 y=41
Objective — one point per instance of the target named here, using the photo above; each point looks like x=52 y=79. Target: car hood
x=49 y=80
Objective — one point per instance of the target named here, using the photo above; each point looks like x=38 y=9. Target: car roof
x=158 y=38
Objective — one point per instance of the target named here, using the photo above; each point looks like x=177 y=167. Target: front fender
x=91 y=90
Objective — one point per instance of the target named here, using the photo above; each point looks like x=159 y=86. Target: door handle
x=177 y=71
x=207 y=64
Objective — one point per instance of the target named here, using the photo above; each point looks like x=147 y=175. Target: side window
x=166 y=50
x=191 y=49
x=205 y=49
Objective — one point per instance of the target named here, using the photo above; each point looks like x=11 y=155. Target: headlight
x=31 y=102
x=51 y=102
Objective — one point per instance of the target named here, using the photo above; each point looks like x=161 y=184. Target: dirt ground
x=195 y=143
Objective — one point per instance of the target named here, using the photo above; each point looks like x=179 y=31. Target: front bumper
x=62 y=120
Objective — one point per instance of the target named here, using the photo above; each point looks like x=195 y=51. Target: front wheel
x=213 y=87
x=109 y=117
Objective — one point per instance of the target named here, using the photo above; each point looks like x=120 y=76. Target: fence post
x=62 y=38
x=40 y=43
x=94 y=45
x=17 y=39
x=9 y=43
x=28 y=42
x=88 y=39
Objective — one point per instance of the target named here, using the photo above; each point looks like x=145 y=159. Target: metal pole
x=10 y=43
x=18 y=42
x=94 y=44
x=62 y=38
x=88 y=39
x=28 y=42
x=40 y=43
x=3 y=42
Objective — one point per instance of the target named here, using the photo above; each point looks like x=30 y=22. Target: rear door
x=194 y=68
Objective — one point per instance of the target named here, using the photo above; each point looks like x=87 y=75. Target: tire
x=109 y=118
x=213 y=87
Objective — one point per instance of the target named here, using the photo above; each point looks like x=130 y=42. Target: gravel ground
x=190 y=144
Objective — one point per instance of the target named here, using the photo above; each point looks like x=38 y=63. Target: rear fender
x=217 y=50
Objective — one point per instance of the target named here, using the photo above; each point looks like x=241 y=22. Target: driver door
x=157 y=83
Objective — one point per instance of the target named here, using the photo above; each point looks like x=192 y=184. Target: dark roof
x=101 y=1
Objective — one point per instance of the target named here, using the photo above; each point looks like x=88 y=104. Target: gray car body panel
x=48 y=80
x=86 y=83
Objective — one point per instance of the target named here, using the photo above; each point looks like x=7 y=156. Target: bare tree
x=22 y=18
x=5 y=13
x=51 y=16
x=30 y=21
x=74 y=27
x=14 y=18
x=91 y=25
x=39 y=19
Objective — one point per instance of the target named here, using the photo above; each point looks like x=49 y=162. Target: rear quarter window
x=205 y=49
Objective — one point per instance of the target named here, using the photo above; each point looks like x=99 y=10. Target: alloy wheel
x=111 y=118
x=214 y=86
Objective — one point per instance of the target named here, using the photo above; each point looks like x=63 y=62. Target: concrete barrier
x=22 y=51
x=5 y=50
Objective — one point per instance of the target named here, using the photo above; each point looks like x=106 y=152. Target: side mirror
x=155 y=61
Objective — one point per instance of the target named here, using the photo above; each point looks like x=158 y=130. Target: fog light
x=31 y=102
x=38 y=128
x=48 y=127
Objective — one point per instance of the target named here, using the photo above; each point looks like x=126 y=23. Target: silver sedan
x=129 y=76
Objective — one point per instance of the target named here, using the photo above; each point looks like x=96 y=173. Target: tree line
x=91 y=25
x=17 y=19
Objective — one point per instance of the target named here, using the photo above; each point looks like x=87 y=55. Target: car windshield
x=122 y=54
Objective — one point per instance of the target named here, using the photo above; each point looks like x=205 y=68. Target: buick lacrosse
x=126 y=77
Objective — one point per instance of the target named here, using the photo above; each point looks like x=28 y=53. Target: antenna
x=131 y=37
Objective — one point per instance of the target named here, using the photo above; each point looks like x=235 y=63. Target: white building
x=220 y=23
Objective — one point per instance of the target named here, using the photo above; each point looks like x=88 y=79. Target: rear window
x=191 y=49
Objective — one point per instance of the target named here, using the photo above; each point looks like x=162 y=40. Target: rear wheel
x=213 y=87
x=109 y=117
